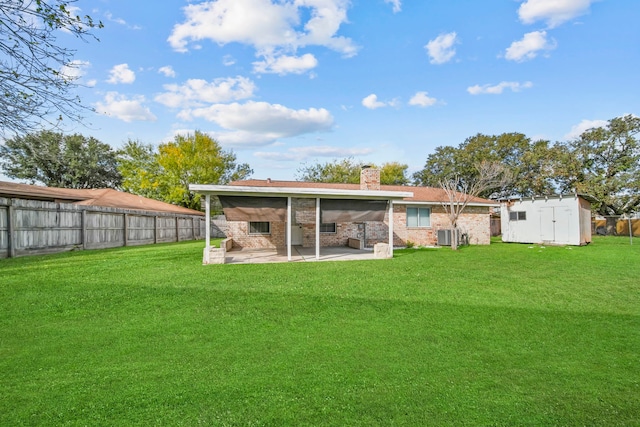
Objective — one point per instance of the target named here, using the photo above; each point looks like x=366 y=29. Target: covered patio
x=299 y=254
x=247 y=203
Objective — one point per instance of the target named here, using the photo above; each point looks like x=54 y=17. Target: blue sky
x=288 y=82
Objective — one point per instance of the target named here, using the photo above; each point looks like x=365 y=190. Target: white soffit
x=232 y=190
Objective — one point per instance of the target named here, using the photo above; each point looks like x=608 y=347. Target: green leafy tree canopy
x=164 y=173
x=532 y=164
x=140 y=170
x=57 y=160
x=605 y=163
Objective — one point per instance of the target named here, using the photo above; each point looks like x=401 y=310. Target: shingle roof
x=104 y=197
x=420 y=194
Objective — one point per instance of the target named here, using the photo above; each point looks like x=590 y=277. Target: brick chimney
x=369 y=178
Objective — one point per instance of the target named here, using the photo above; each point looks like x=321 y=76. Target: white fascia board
x=232 y=190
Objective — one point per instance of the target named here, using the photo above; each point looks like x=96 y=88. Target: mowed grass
x=505 y=334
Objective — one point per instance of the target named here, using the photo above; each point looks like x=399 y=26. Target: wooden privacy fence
x=30 y=227
x=622 y=227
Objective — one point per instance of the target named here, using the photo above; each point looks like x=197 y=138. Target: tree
x=394 y=173
x=140 y=170
x=604 y=162
x=195 y=159
x=532 y=164
x=460 y=192
x=33 y=83
x=347 y=171
x=57 y=160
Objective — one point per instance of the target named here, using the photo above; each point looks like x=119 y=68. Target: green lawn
x=500 y=335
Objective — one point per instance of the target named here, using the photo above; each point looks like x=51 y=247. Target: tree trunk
x=611 y=225
x=454 y=238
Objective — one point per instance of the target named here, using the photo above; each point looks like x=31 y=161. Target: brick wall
x=475 y=222
x=239 y=232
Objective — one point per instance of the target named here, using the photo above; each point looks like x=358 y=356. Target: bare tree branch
x=33 y=86
x=460 y=192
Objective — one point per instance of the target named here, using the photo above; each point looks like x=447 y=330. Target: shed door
x=555 y=225
x=563 y=225
x=547 y=225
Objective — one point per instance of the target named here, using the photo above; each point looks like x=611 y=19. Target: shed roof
x=587 y=197
x=105 y=197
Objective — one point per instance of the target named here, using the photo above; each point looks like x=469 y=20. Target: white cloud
x=397 y=5
x=554 y=12
x=167 y=70
x=228 y=60
x=422 y=99
x=529 y=46
x=499 y=88
x=128 y=110
x=111 y=18
x=121 y=74
x=197 y=92
x=584 y=125
x=267 y=26
x=74 y=70
x=244 y=139
x=120 y=21
x=286 y=64
x=371 y=102
x=441 y=48
x=304 y=153
x=269 y=121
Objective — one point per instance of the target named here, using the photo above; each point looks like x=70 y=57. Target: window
x=418 y=217
x=328 y=227
x=262 y=227
x=517 y=216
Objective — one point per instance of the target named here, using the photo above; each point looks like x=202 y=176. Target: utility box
x=549 y=220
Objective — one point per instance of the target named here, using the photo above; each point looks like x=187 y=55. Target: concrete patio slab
x=298 y=254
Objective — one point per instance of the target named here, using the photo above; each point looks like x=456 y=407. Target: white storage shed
x=549 y=220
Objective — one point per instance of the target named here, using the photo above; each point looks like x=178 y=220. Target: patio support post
x=207 y=228
x=317 y=227
x=289 y=228
x=391 y=228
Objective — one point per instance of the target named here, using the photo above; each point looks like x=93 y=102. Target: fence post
x=126 y=229
x=10 y=230
x=177 y=228
x=155 y=229
x=83 y=237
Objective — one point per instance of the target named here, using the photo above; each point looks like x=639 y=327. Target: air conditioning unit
x=444 y=237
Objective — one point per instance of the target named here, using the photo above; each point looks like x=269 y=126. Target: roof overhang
x=323 y=193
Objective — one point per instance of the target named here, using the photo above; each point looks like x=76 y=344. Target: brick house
x=342 y=212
